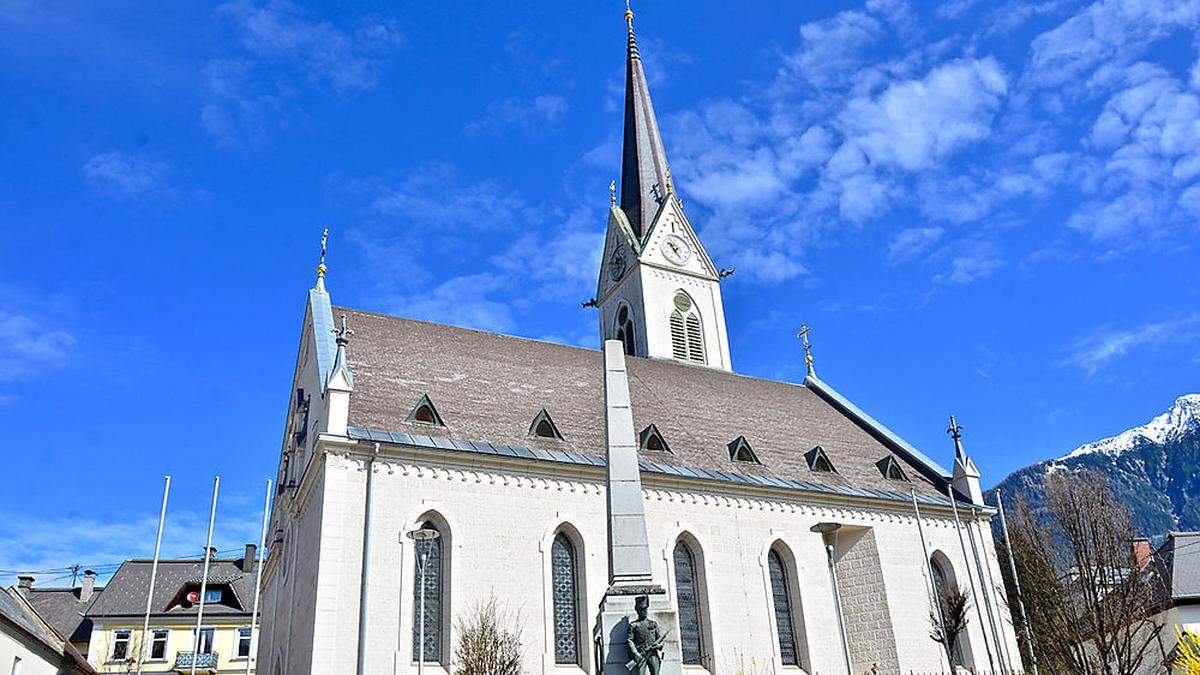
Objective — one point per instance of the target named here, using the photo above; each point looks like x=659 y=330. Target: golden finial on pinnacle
x=808 y=358
x=321 y=266
x=612 y=192
x=670 y=183
x=628 y=13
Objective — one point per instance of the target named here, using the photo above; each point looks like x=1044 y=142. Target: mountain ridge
x=1154 y=469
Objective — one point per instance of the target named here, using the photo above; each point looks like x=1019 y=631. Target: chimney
x=212 y=552
x=1140 y=548
x=88 y=587
x=248 y=558
x=24 y=584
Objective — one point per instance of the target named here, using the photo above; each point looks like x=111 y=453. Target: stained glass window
x=431 y=551
x=782 y=598
x=688 y=601
x=566 y=600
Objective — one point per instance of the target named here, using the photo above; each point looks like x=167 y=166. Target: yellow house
x=225 y=643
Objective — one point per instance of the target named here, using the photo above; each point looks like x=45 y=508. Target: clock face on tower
x=676 y=249
x=616 y=265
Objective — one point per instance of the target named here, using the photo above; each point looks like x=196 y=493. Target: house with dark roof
x=1177 y=565
x=117 y=615
x=64 y=609
x=30 y=645
x=427 y=470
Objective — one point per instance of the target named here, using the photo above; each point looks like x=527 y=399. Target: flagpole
x=987 y=587
x=262 y=549
x=970 y=577
x=212 y=516
x=937 y=599
x=1012 y=567
x=162 y=516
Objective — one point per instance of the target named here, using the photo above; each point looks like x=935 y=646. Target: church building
x=427 y=470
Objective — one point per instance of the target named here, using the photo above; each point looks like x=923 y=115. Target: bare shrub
x=489 y=642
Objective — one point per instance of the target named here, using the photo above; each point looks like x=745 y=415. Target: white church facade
x=785 y=530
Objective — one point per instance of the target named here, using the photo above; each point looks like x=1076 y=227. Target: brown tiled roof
x=489 y=387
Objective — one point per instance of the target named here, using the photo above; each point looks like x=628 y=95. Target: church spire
x=645 y=176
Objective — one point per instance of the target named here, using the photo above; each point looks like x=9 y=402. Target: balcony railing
x=205 y=662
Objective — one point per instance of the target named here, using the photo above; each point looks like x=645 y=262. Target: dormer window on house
x=543 y=427
x=650 y=439
x=425 y=413
x=740 y=451
x=818 y=461
x=687 y=338
x=891 y=470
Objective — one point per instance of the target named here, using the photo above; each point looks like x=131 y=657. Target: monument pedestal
x=611 y=632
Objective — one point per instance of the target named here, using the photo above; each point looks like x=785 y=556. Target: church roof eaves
x=539 y=454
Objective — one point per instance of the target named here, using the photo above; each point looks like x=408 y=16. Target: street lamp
x=825 y=529
x=418 y=535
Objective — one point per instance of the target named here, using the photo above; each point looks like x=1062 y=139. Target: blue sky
x=981 y=208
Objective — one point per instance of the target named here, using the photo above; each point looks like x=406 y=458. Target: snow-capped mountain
x=1154 y=469
x=1182 y=418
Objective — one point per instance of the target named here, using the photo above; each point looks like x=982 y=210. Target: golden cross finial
x=628 y=14
x=808 y=359
x=670 y=183
x=321 y=265
x=612 y=192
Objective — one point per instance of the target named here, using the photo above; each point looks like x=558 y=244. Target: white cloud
x=1098 y=350
x=971 y=260
x=910 y=243
x=1107 y=31
x=530 y=116
x=48 y=545
x=469 y=301
x=27 y=348
x=250 y=93
x=128 y=178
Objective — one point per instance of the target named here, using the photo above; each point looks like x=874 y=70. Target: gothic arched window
x=687 y=334
x=944 y=584
x=429 y=557
x=781 y=596
x=625 y=330
x=687 y=598
x=565 y=583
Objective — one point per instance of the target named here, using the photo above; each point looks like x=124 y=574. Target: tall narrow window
x=946 y=586
x=158 y=644
x=428 y=558
x=687 y=334
x=244 y=637
x=782 y=599
x=566 y=600
x=625 y=330
x=687 y=598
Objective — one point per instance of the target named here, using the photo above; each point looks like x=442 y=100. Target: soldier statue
x=645 y=641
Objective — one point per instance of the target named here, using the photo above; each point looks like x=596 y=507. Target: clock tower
x=659 y=292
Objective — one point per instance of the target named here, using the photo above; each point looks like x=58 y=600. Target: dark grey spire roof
x=643 y=159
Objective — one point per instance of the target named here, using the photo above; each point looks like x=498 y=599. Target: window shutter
x=678 y=337
x=695 y=339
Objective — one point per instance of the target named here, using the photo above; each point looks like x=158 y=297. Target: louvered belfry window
x=566 y=600
x=687 y=334
x=783 y=609
x=432 y=548
x=687 y=598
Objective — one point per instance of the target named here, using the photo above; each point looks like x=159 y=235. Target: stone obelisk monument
x=629 y=574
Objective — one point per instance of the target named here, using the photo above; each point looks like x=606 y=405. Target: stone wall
x=865 y=606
